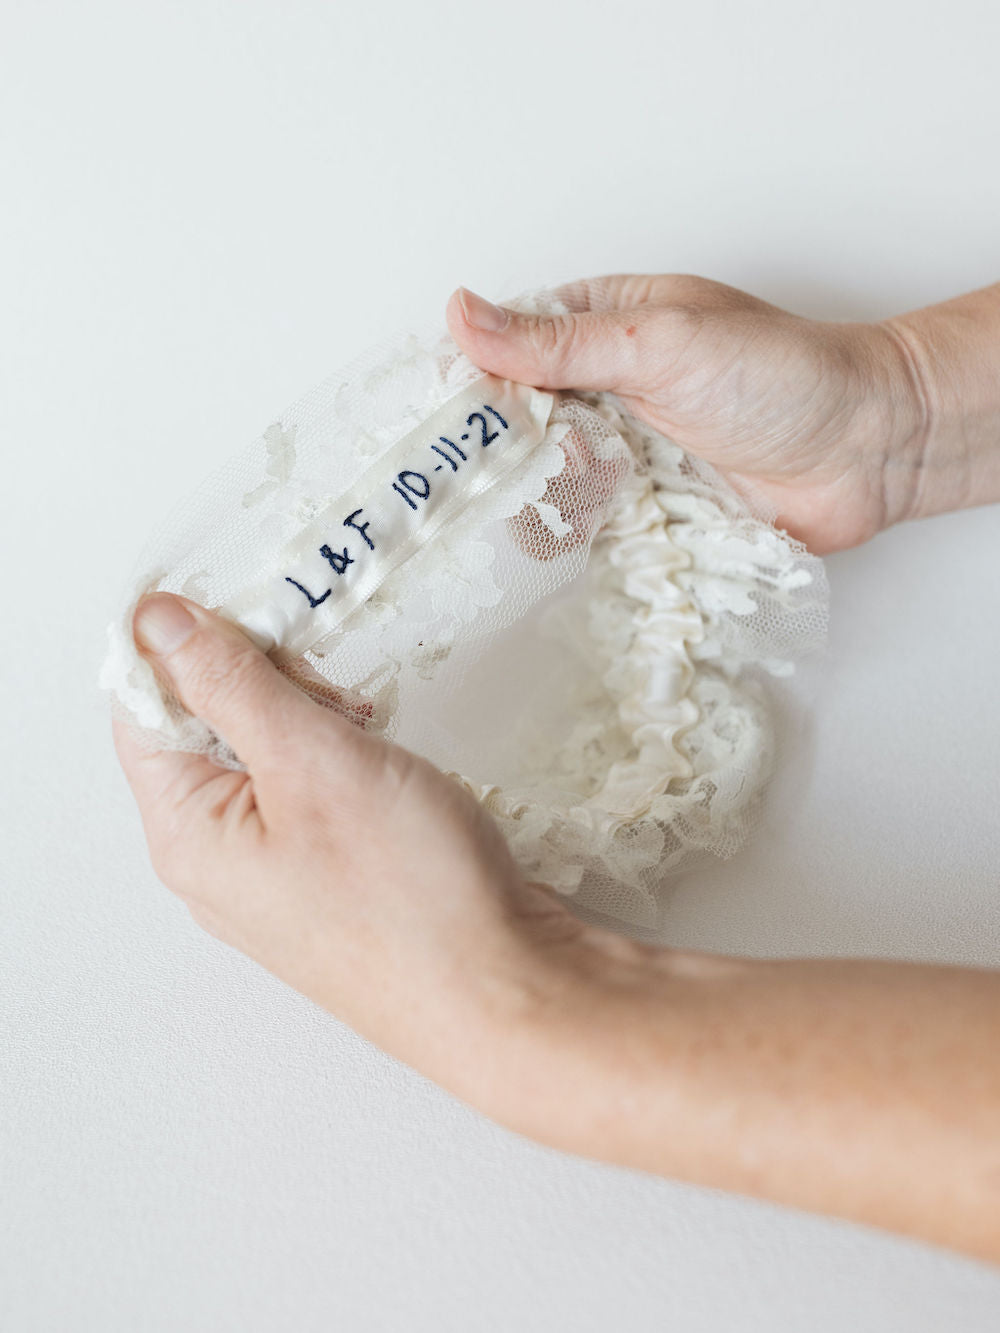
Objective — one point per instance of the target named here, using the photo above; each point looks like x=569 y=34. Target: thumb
x=588 y=349
x=221 y=677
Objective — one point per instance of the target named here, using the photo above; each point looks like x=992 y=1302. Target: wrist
x=944 y=363
x=597 y=1057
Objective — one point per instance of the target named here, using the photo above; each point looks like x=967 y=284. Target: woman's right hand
x=842 y=428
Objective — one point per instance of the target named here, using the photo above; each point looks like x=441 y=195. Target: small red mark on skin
x=630 y=331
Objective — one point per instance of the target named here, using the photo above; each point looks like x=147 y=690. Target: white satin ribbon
x=407 y=496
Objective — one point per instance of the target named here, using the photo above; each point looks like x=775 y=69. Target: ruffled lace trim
x=685 y=598
x=681 y=589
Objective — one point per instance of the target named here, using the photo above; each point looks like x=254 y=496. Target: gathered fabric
x=540 y=593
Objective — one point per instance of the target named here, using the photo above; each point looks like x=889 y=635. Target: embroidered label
x=423 y=482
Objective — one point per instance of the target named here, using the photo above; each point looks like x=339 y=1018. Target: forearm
x=950 y=459
x=866 y=1090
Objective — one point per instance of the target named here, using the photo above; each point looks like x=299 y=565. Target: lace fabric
x=583 y=645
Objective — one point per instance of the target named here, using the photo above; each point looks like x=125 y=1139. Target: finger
x=623 y=292
x=184 y=799
x=621 y=332
x=578 y=350
x=222 y=678
x=617 y=291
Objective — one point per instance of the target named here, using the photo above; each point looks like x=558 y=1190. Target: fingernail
x=161 y=624
x=482 y=314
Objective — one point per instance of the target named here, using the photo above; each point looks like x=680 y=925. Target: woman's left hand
x=375 y=885
x=347 y=866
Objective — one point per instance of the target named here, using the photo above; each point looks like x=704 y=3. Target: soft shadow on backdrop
x=208 y=206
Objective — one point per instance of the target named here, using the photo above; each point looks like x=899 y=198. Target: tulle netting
x=587 y=648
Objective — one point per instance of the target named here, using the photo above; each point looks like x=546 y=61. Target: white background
x=205 y=207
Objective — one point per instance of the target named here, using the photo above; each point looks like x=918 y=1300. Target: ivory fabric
x=389 y=533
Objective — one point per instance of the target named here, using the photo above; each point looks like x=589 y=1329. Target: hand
x=843 y=428
x=350 y=868
x=373 y=884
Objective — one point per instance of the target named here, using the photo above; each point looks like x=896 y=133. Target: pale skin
x=863 y=1089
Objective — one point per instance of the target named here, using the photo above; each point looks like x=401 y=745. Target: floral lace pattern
x=674 y=601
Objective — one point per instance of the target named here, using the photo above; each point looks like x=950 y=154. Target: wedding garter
x=548 y=599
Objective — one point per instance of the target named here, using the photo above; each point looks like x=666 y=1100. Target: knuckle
x=692 y=287
x=694 y=299
x=681 y=329
x=555 y=339
x=216 y=683
x=685 y=316
x=635 y=289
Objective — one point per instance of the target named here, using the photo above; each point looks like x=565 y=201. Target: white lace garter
x=539 y=593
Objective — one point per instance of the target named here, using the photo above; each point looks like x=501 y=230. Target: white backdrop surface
x=205 y=208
